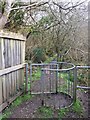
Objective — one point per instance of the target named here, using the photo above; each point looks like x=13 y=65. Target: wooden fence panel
x=12 y=59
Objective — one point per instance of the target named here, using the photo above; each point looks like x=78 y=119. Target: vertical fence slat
x=0 y=77
x=19 y=61
x=22 y=50
x=14 y=65
x=3 y=66
x=7 y=65
x=12 y=74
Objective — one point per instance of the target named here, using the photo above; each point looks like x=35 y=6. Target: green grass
x=62 y=112
x=36 y=75
x=66 y=77
x=7 y=112
x=49 y=59
x=45 y=112
x=77 y=107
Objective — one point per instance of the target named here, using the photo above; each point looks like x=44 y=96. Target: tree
x=53 y=26
x=5 y=11
x=8 y=6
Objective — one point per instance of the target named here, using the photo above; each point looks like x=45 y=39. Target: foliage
x=39 y=55
x=62 y=112
x=8 y=111
x=67 y=76
x=2 y=6
x=77 y=107
x=46 y=21
x=16 y=18
x=36 y=74
x=45 y=112
x=83 y=77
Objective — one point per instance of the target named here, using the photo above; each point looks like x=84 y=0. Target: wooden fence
x=12 y=64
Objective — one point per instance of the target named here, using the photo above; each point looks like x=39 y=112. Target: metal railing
x=53 y=78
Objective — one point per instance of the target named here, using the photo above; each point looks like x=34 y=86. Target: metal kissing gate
x=54 y=79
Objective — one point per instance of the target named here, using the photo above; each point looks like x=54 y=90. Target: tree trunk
x=5 y=15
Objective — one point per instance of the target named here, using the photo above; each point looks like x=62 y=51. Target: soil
x=29 y=109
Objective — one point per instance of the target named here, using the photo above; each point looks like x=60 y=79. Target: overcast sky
x=54 y=0
x=57 y=0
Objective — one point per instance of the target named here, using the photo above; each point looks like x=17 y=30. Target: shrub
x=39 y=55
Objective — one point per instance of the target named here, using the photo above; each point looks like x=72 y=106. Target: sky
x=53 y=0
x=74 y=1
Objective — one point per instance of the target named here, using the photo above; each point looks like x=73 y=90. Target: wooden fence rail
x=12 y=64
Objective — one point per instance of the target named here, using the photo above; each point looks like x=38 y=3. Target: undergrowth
x=8 y=111
x=77 y=107
x=45 y=112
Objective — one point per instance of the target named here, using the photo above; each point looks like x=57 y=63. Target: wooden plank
x=9 y=65
x=15 y=63
x=3 y=66
x=7 y=60
x=22 y=60
x=11 y=69
x=18 y=64
x=4 y=89
x=12 y=36
x=19 y=61
x=1 y=91
x=14 y=97
x=12 y=74
x=9 y=56
x=21 y=77
x=0 y=77
x=5 y=104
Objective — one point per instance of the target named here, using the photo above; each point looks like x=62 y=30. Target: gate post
x=75 y=84
x=26 y=79
x=42 y=86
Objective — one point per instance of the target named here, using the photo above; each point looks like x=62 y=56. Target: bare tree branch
x=35 y=5
x=68 y=7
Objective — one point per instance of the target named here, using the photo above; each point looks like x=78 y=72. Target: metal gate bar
x=43 y=65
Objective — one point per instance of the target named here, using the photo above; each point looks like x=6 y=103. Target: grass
x=45 y=112
x=36 y=75
x=7 y=112
x=62 y=112
x=66 y=77
x=77 y=107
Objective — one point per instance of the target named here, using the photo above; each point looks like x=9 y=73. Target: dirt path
x=29 y=109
